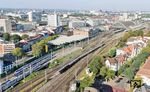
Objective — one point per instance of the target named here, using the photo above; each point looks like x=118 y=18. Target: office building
x=34 y=16
x=53 y=20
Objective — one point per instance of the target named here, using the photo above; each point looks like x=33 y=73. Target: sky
x=125 y=5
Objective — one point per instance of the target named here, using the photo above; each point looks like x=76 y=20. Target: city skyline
x=114 y=5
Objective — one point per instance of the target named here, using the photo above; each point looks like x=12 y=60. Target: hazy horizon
x=116 y=5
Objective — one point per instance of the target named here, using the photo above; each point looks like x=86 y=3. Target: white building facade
x=5 y=25
x=34 y=16
x=54 y=20
x=77 y=24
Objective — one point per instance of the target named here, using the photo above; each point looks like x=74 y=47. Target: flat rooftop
x=62 y=39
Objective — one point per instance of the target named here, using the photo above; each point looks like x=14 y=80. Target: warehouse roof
x=67 y=39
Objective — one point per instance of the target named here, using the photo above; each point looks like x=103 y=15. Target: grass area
x=31 y=76
x=65 y=58
x=82 y=75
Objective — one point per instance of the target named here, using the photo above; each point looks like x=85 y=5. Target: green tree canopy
x=37 y=50
x=129 y=34
x=16 y=38
x=110 y=74
x=147 y=34
x=18 y=52
x=103 y=71
x=41 y=46
x=112 y=52
x=6 y=36
x=129 y=73
x=25 y=36
x=96 y=64
x=86 y=82
x=139 y=33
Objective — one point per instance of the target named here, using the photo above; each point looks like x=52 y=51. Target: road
x=61 y=82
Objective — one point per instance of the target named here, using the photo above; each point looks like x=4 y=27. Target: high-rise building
x=53 y=20
x=34 y=16
x=125 y=16
x=5 y=25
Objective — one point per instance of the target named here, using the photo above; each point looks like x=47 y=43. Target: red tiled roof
x=129 y=48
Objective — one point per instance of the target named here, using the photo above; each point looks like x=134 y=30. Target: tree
x=36 y=50
x=6 y=36
x=129 y=73
x=140 y=79
x=148 y=34
x=86 y=82
x=16 y=38
x=18 y=52
x=25 y=36
x=146 y=50
x=103 y=71
x=139 y=33
x=110 y=74
x=112 y=52
x=96 y=64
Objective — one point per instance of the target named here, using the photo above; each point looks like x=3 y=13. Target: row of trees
x=14 y=37
x=40 y=47
x=131 y=67
x=95 y=66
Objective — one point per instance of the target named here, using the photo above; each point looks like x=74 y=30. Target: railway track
x=29 y=85
x=59 y=83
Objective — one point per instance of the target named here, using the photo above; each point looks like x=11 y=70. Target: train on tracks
x=26 y=70
x=70 y=64
x=37 y=65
